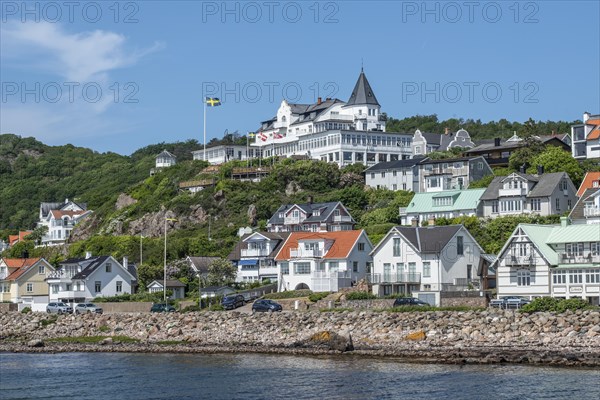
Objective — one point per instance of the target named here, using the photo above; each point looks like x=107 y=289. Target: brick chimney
x=446 y=131
x=319 y=100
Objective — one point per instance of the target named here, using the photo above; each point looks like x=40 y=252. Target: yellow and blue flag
x=213 y=101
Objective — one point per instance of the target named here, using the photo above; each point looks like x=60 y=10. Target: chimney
x=586 y=116
x=309 y=199
x=66 y=201
x=431 y=221
x=125 y=262
x=553 y=132
x=497 y=142
x=414 y=222
x=540 y=169
x=329 y=98
x=564 y=221
x=522 y=169
x=88 y=254
x=25 y=254
x=319 y=100
x=446 y=131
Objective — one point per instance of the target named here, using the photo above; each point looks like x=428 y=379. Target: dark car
x=161 y=307
x=233 y=301
x=264 y=305
x=409 y=301
x=509 y=302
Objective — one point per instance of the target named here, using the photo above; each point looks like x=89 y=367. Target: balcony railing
x=342 y=218
x=292 y=220
x=512 y=261
x=60 y=274
x=512 y=192
x=591 y=211
x=572 y=258
x=399 y=277
x=302 y=253
x=255 y=252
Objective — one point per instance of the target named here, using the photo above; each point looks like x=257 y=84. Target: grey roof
x=236 y=253
x=165 y=153
x=309 y=208
x=46 y=207
x=216 y=289
x=398 y=164
x=447 y=160
x=312 y=111
x=362 y=93
x=544 y=185
x=488 y=144
x=577 y=211
x=429 y=239
x=170 y=283
x=92 y=264
x=201 y=263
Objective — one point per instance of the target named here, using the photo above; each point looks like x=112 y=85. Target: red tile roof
x=21 y=265
x=588 y=182
x=595 y=132
x=13 y=239
x=61 y=213
x=344 y=241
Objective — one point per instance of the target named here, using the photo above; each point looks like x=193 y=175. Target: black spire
x=362 y=93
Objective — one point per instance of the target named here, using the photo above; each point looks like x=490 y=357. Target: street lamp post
x=141 y=237
x=165 y=263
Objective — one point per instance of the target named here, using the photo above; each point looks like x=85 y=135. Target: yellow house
x=23 y=280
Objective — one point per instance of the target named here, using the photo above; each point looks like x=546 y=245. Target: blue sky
x=117 y=78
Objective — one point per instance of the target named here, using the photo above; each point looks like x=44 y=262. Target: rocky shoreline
x=491 y=336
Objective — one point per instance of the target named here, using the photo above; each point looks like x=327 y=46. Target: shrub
x=360 y=296
x=216 y=307
x=318 y=296
x=551 y=304
x=104 y=328
x=289 y=294
x=26 y=310
x=192 y=308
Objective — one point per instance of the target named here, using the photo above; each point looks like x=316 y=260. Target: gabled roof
x=201 y=264
x=395 y=165
x=165 y=153
x=429 y=239
x=428 y=160
x=89 y=265
x=313 y=111
x=170 y=283
x=308 y=208
x=13 y=239
x=279 y=237
x=489 y=144
x=362 y=92
x=577 y=213
x=22 y=265
x=595 y=132
x=588 y=182
x=545 y=184
x=343 y=243
x=467 y=199
x=61 y=213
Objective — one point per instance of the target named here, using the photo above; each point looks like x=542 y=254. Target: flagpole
x=204 y=155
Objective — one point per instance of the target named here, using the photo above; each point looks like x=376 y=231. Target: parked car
x=87 y=308
x=265 y=305
x=232 y=302
x=58 y=308
x=509 y=302
x=409 y=301
x=162 y=307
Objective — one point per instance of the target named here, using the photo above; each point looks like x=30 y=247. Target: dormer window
x=442 y=201
x=283 y=119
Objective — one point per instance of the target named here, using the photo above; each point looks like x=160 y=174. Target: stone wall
x=4 y=307
x=125 y=307
x=470 y=299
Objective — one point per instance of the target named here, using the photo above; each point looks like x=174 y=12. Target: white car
x=83 y=308
x=58 y=308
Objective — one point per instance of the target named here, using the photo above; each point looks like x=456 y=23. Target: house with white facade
x=424 y=142
x=22 y=281
x=311 y=217
x=451 y=173
x=587 y=209
x=254 y=256
x=560 y=261
x=176 y=287
x=332 y=130
x=220 y=154
x=586 y=138
x=395 y=175
x=60 y=219
x=323 y=261
x=163 y=160
x=425 y=261
x=78 y=280
x=447 y=204
x=520 y=193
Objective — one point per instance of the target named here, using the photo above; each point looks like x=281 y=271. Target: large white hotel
x=330 y=130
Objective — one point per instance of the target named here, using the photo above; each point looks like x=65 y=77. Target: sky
x=118 y=76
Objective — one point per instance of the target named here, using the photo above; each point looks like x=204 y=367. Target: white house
x=311 y=217
x=165 y=160
x=425 y=143
x=82 y=279
x=333 y=130
x=254 y=256
x=424 y=261
x=60 y=218
x=446 y=204
x=450 y=173
x=520 y=193
x=394 y=175
x=223 y=153
x=585 y=138
x=323 y=261
x=176 y=287
x=587 y=209
x=551 y=260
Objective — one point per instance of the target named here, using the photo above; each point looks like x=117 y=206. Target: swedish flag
x=213 y=101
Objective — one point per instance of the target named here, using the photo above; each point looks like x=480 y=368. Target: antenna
x=361 y=65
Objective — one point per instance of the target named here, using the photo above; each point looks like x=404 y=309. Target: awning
x=248 y=262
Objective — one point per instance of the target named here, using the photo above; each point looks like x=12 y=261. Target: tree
x=37 y=234
x=555 y=159
x=221 y=272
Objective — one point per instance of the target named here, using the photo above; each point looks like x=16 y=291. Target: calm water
x=254 y=376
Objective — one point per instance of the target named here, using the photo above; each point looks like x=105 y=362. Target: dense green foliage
x=289 y=294
x=360 y=296
x=551 y=304
x=318 y=296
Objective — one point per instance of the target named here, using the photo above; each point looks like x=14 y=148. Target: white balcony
x=512 y=192
x=305 y=253
x=519 y=260
x=255 y=252
x=61 y=275
x=342 y=218
x=292 y=220
x=591 y=211
x=397 y=277
x=578 y=258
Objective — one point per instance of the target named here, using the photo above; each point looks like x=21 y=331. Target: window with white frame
x=285 y=268
x=595 y=248
x=559 y=277
x=119 y=287
x=29 y=287
x=523 y=277
x=41 y=269
x=54 y=289
x=361 y=246
x=68 y=287
x=426 y=270
x=108 y=267
x=536 y=204
x=97 y=286
x=301 y=268
x=557 y=202
x=355 y=266
x=576 y=276
x=592 y=276
x=574 y=249
x=396 y=247
x=495 y=206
